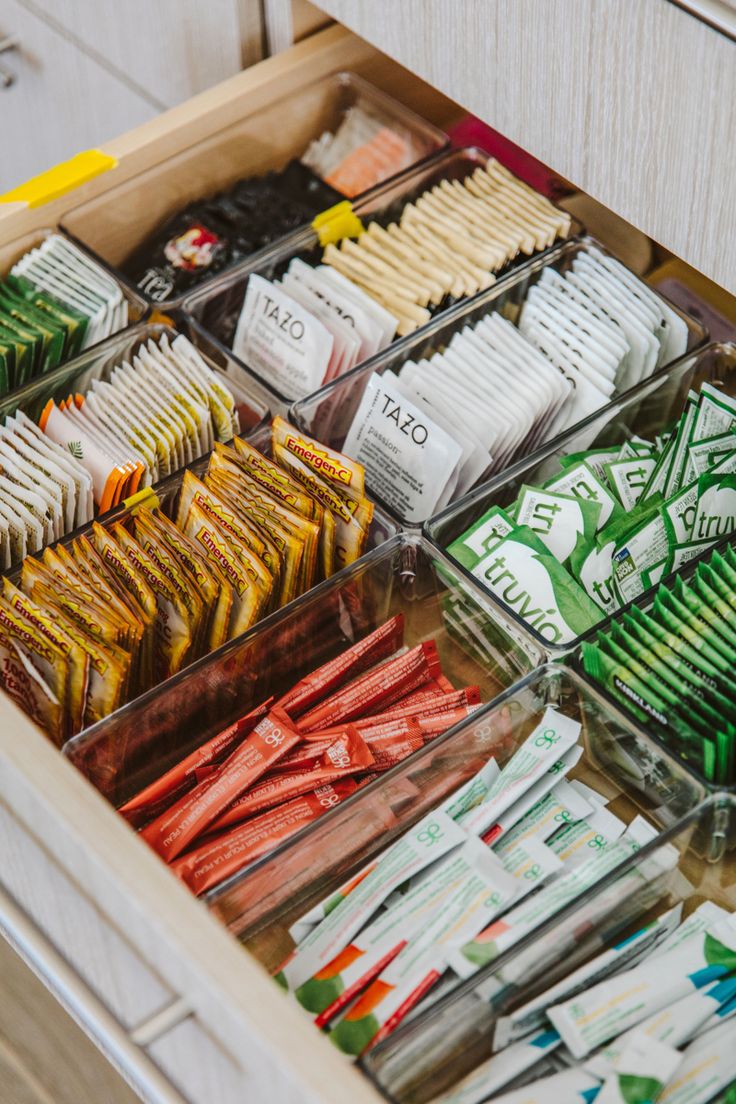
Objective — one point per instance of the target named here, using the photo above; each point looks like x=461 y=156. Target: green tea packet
x=52 y=335
x=482 y=537
x=715 y=514
x=562 y=522
x=704 y=454
x=73 y=321
x=581 y=481
x=527 y=578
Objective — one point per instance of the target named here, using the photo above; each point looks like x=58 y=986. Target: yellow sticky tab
x=336 y=223
x=146 y=497
x=63 y=178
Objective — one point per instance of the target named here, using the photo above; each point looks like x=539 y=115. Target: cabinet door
x=61 y=100
x=170 y=49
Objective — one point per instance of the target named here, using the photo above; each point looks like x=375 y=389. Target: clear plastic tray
x=217 y=307
x=98 y=362
x=329 y=412
x=644 y=602
x=127 y=750
x=430 y=1053
x=14 y=250
x=645 y=410
x=114 y=225
x=260 y=904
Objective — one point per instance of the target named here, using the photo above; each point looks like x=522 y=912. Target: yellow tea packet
x=51 y=663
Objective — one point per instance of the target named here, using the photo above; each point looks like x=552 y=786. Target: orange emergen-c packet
x=221 y=549
x=271 y=739
x=49 y=627
x=225 y=854
x=24 y=685
x=214 y=586
x=331 y=465
x=185 y=774
x=173 y=628
x=51 y=663
x=272 y=477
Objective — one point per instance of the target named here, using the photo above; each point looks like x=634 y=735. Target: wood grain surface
x=634 y=101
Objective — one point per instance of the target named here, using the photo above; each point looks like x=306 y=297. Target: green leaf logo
x=75 y=448
x=638 y=1090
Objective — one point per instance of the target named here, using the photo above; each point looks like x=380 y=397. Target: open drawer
x=165 y=991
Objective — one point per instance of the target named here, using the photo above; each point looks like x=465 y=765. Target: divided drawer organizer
x=156 y=978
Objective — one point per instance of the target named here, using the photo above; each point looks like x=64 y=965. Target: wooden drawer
x=632 y=102
x=161 y=986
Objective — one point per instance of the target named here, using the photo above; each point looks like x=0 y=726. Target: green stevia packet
x=658 y=478
x=592 y=566
x=594 y=458
x=705 y=454
x=701 y=582
x=683 y=600
x=581 y=481
x=640 y=445
x=562 y=522
x=716 y=413
x=481 y=538
x=715 y=513
x=673 y=708
x=681 y=554
x=522 y=574
x=628 y=478
x=683 y=437
x=679 y=514
x=642 y=548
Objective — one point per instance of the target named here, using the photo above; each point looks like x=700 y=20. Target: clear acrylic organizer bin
x=217 y=307
x=619 y=760
x=329 y=413
x=14 y=250
x=645 y=410
x=115 y=225
x=124 y=752
x=691 y=862
x=644 y=602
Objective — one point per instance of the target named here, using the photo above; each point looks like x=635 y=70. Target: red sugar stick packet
x=382 y=642
x=271 y=739
x=377 y=689
x=165 y=789
x=229 y=852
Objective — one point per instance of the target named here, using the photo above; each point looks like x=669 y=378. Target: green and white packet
x=643 y=1070
x=482 y=537
x=523 y=575
x=581 y=481
x=628 y=478
x=562 y=522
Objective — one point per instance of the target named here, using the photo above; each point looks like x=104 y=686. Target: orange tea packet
x=51 y=663
x=330 y=465
x=22 y=682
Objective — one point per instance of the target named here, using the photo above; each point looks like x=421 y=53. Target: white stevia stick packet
x=708 y=1066
x=280 y=340
x=643 y=1070
x=408 y=458
x=502 y=1068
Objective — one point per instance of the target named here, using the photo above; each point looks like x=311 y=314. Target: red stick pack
x=271 y=739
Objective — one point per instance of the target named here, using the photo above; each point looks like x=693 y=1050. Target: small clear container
x=688 y=753
x=328 y=413
x=98 y=362
x=12 y=252
x=126 y=751
x=115 y=225
x=691 y=862
x=635 y=774
x=217 y=307
x=646 y=410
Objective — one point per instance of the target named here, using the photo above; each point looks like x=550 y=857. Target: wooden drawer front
x=200 y=1069
x=100 y=955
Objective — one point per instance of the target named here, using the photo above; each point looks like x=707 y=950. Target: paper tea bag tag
x=408 y=458
x=281 y=340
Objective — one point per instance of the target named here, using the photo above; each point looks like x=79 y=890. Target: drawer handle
x=83 y=1006
x=10 y=42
